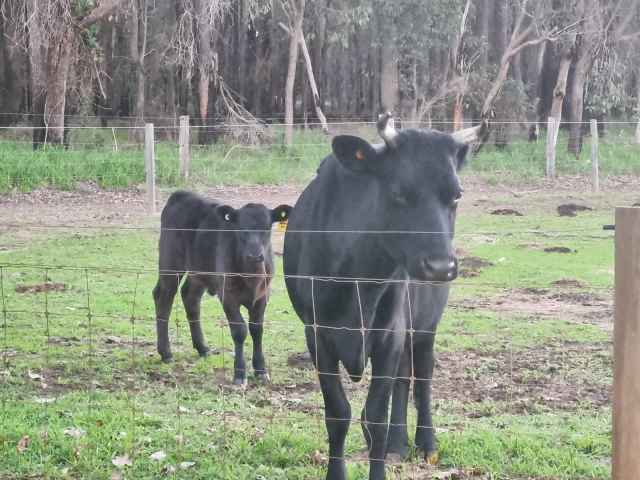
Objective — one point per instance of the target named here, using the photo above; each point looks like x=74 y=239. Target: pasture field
x=92 y=158
x=522 y=386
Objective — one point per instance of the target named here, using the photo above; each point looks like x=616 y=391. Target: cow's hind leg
x=163 y=295
x=256 y=322
x=423 y=367
x=238 y=329
x=192 y=292
x=337 y=410
x=398 y=441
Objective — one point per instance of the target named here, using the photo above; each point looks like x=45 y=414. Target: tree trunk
x=312 y=82
x=296 y=31
x=484 y=8
x=206 y=68
x=58 y=62
x=560 y=90
x=389 y=77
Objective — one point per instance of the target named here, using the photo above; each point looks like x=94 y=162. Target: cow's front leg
x=256 y=322
x=423 y=366
x=239 y=334
x=163 y=295
x=398 y=442
x=337 y=410
x=375 y=415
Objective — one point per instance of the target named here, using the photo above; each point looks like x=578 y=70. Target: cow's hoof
x=166 y=358
x=203 y=352
x=398 y=451
x=395 y=458
x=263 y=378
x=432 y=458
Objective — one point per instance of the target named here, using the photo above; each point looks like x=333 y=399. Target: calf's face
x=250 y=228
x=418 y=196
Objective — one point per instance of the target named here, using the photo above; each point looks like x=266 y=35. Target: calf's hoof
x=240 y=382
x=166 y=357
x=203 y=352
x=401 y=451
x=262 y=377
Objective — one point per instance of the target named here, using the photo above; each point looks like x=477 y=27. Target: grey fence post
x=626 y=354
x=595 y=170
x=185 y=158
x=150 y=165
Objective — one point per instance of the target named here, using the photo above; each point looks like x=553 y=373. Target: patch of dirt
x=559 y=250
x=561 y=376
x=300 y=360
x=469 y=267
x=541 y=303
x=506 y=211
x=41 y=287
x=568 y=283
x=571 y=209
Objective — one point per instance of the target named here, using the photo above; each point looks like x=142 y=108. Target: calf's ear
x=227 y=213
x=280 y=213
x=354 y=153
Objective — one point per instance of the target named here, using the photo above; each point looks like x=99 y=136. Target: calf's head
x=418 y=194
x=250 y=229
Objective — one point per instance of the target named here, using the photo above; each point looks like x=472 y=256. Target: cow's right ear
x=354 y=153
x=227 y=213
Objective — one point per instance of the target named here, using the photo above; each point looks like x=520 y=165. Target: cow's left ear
x=227 y=213
x=355 y=154
x=461 y=156
x=280 y=213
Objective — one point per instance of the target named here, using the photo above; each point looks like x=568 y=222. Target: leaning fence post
x=552 y=137
x=183 y=140
x=595 y=171
x=626 y=354
x=150 y=165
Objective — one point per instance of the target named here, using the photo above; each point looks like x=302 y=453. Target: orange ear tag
x=282 y=226
x=359 y=155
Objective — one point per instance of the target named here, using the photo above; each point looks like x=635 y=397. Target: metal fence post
x=595 y=170
x=183 y=140
x=626 y=374
x=150 y=165
x=552 y=137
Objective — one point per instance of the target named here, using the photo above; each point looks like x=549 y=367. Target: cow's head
x=251 y=230
x=417 y=171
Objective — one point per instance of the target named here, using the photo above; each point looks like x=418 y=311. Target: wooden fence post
x=552 y=137
x=638 y=133
x=185 y=158
x=626 y=375
x=150 y=165
x=595 y=170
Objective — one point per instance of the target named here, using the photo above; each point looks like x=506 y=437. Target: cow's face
x=251 y=230
x=418 y=197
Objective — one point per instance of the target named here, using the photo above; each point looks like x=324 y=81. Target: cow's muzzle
x=439 y=269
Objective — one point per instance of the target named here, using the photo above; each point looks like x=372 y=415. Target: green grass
x=94 y=159
x=98 y=371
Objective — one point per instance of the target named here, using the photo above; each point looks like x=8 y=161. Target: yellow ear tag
x=282 y=226
x=359 y=155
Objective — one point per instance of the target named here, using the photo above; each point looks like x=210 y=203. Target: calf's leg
x=163 y=295
x=256 y=322
x=238 y=329
x=192 y=292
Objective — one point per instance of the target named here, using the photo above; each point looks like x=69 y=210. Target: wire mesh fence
x=78 y=349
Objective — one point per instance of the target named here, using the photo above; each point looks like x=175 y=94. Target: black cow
x=370 y=236
x=203 y=240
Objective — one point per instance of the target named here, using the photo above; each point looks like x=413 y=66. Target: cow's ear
x=461 y=155
x=227 y=213
x=280 y=213
x=355 y=153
